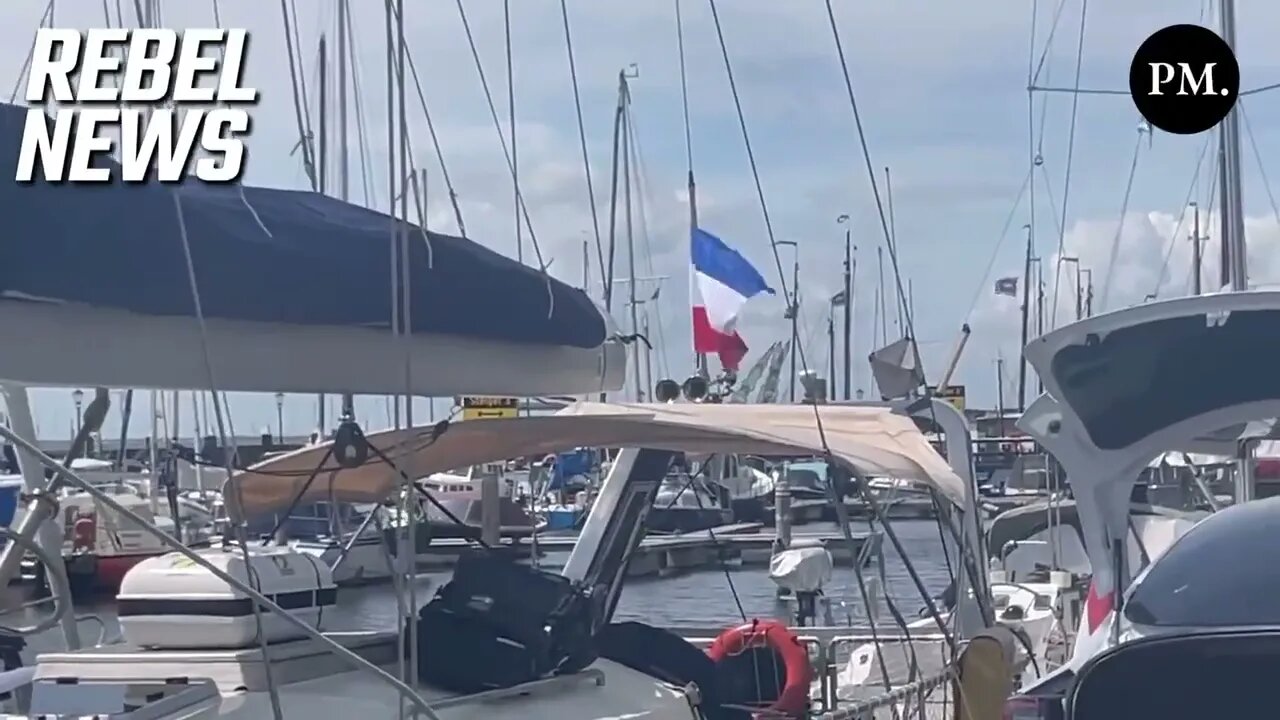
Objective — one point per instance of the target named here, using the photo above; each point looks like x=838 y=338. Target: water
x=702 y=598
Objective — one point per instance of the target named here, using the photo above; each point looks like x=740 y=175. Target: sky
x=942 y=92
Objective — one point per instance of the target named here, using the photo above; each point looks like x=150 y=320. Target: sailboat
x=1106 y=426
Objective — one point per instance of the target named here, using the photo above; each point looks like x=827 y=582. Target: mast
x=1197 y=261
x=344 y=167
x=321 y=401
x=1026 y=315
x=850 y=267
x=631 y=239
x=1235 y=262
x=884 y=309
x=831 y=348
x=1000 y=393
x=1235 y=265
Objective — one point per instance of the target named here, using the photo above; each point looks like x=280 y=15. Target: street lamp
x=793 y=309
x=280 y=418
x=77 y=397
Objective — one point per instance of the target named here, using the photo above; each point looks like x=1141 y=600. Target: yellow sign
x=953 y=394
x=489 y=408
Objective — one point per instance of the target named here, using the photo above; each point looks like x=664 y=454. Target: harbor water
x=700 y=598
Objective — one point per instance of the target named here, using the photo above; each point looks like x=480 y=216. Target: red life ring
x=794 y=697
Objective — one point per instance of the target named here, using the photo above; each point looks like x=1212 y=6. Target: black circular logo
x=1184 y=79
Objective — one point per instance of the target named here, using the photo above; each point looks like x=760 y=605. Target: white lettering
x=88 y=143
x=221 y=126
x=1161 y=73
x=1189 y=79
x=153 y=67
x=192 y=63
x=50 y=70
x=229 y=88
x=98 y=59
x=157 y=146
x=52 y=149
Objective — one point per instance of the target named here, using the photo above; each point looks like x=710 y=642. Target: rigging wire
x=742 y=124
x=435 y=144
x=684 y=90
x=1071 y=147
x=1257 y=156
x=1177 y=230
x=506 y=153
x=995 y=251
x=910 y=327
x=46 y=16
x=640 y=171
x=228 y=443
x=582 y=136
x=303 y=137
x=368 y=188
x=1124 y=212
x=1034 y=76
x=511 y=130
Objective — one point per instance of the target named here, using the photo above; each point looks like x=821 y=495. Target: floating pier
x=740 y=544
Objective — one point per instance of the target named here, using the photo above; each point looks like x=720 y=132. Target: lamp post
x=77 y=397
x=793 y=310
x=280 y=418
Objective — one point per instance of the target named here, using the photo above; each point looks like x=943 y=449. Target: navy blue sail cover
x=263 y=255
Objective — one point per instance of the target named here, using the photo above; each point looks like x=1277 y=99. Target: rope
x=1071 y=147
x=226 y=442
x=582 y=136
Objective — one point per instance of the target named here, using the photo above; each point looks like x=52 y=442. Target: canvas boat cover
x=265 y=255
x=876 y=441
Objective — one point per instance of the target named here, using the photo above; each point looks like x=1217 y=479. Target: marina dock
x=737 y=545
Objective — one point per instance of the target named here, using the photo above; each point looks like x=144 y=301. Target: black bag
x=498 y=624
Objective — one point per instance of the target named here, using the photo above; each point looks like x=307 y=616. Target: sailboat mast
x=1026 y=315
x=1197 y=260
x=631 y=239
x=1235 y=267
x=344 y=156
x=321 y=401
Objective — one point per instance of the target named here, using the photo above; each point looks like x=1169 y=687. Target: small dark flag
x=839 y=299
x=1007 y=286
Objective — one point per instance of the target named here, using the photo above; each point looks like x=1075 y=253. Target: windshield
x=1223 y=572
x=1140 y=379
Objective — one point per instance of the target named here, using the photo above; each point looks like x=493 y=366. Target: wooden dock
x=737 y=545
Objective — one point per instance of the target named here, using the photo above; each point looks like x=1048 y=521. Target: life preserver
x=794 y=696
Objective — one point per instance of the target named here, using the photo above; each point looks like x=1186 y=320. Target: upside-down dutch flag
x=723 y=282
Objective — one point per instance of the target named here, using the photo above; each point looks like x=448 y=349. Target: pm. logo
x=1184 y=79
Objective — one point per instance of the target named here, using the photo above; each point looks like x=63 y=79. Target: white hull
x=276 y=357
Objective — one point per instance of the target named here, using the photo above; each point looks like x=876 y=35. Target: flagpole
x=848 y=311
x=700 y=359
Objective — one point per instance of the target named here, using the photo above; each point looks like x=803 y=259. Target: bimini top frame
x=874 y=440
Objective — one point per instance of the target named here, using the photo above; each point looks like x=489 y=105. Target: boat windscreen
x=1141 y=379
